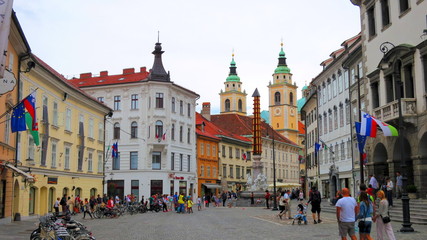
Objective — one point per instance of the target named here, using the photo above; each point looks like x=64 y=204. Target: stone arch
x=32 y=201
x=240 y=105
x=422 y=149
x=51 y=199
x=406 y=153
x=227 y=105
x=380 y=157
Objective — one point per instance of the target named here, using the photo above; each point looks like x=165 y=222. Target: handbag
x=361 y=223
x=385 y=219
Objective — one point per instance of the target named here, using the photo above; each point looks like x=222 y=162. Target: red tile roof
x=242 y=125
x=301 y=127
x=129 y=76
x=214 y=131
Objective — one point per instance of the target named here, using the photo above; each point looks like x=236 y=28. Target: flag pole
x=361 y=163
x=16 y=105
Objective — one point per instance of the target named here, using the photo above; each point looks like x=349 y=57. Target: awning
x=281 y=184
x=20 y=172
x=211 y=185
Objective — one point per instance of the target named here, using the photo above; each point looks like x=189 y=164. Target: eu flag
x=18 y=119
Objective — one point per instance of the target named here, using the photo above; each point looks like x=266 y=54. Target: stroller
x=301 y=215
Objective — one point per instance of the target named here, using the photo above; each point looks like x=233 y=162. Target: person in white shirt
x=346 y=215
x=288 y=205
x=389 y=192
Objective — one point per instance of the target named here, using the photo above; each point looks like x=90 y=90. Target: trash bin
x=17 y=217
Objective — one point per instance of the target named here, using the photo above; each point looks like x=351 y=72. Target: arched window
x=277 y=98
x=51 y=199
x=78 y=192
x=32 y=201
x=240 y=105
x=93 y=192
x=134 y=130
x=227 y=105
x=159 y=129
x=291 y=98
x=116 y=130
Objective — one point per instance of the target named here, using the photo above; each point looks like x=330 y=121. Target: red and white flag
x=5 y=19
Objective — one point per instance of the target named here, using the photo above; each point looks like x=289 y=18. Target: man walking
x=398 y=185
x=374 y=183
x=346 y=215
x=267 y=198
x=315 y=199
x=224 y=198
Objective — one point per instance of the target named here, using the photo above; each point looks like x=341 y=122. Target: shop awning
x=288 y=185
x=211 y=185
x=20 y=172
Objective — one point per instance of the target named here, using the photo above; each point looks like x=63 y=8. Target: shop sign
x=52 y=180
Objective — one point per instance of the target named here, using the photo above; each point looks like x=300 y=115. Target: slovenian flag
x=387 y=129
x=368 y=126
x=115 y=150
x=30 y=105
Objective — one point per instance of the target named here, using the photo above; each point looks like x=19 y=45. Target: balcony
x=390 y=111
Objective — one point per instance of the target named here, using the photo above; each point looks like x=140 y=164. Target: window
x=180 y=133
x=188 y=163
x=172 y=161
x=117 y=100
x=224 y=170
x=133 y=160
x=188 y=110
x=325 y=94
x=237 y=172
x=91 y=128
x=329 y=90
x=334 y=85
x=371 y=21
x=55 y=114
x=90 y=162
x=202 y=148
x=348 y=149
x=202 y=171
x=227 y=105
x=156 y=160
x=346 y=82
x=181 y=107
x=353 y=76
x=188 y=136
x=11 y=60
x=385 y=12
x=173 y=105
x=134 y=188
x=208 y=149
x=214 y=174
x=330 y=120
x=335 y=117
x=173 y=131
x=45 y=113
x=291 y=98
x=340 y=83
x=347 y=112
x=181 y=161
x=101 y=132
x=230 y=152
x=240 y=105
x=231 y=172
x=213 y=151
x=159 y=129
x=53 y=163
x=100 y=163
x=134 y=130
x=277 y=98
x=342 y=151
x=159 y=100
x=320 y=124
x=67 y=158
x=7 y=128
x=341 y=115
x=100 y=99
x=404 y=5
x=319 y=92
x=134 y=101
x=116 y=162
x=116 y=131
x=237 y=153
x=223 y=151
x=68 y=120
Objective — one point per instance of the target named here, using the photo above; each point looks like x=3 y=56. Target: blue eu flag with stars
x=18 y=119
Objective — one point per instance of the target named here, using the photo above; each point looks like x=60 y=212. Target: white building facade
x=154 y=126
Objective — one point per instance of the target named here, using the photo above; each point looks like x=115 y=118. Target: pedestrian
x=207 y=199
x=315 y=199
x=92 y=204
x=365 y=216
x=398 y=185
x=70 y=205
x=56 y=205
x=181 y=203
x=282 y=206
x=234 y=198
x=287 y=196
x=381 y=214
x=224 y=198
x=63 y=203
x=301 y=195
x=199 y=203
x=252 y=199
x=373 y=182
x=190 y=206
x=267 y=198
x=86 y=209
x=389 y=193
x=346 y=215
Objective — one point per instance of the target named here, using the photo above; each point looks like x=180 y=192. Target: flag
x=361 y=140
x=35 y=134
x=244 y=156
x=18 y=119
x=368 y=126
x=364 y=159
x=30 y=105
x=164 y=136
x=387 y=129
x=5 y=20
x=115 y=150
x=316 y=148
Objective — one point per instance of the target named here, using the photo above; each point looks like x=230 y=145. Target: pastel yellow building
x=282 y=101
x=70 y=157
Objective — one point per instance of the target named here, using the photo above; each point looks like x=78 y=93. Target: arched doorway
x=78 y=192
x=16 y=197
x=51 y=199
x=43 y=201
x=32 y=201
x=333 y=186
x=65 y=191
x=93 y=192
x=406 y=153
x=380 y=162
x=421 y=173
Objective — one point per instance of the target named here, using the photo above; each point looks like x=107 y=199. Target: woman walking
x=86 y=209
x=380 y=215
x=365 y=217
x=389 y=193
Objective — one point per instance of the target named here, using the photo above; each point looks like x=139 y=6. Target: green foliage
x=411 y=189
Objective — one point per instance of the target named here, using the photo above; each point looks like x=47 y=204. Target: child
x=199 y=203
x=190 y=205
x=300 y=213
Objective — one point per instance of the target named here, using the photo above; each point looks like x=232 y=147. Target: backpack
x=316 y=197
x=63 y=202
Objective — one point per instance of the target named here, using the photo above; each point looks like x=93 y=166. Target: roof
x=300 y=103
x=65 y=81
x=89 y=81
x=265 y=115
x=242 y=125
x=301 y=127
x=213 y=131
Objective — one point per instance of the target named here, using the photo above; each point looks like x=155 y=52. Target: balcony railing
x=390 y=111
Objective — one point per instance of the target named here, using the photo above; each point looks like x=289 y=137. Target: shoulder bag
x=361 y=223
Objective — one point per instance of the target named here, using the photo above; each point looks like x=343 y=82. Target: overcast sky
x=197 y=36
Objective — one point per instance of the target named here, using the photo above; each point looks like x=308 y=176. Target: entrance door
x=2 y=197
x=51 y=200
x=43 y=201
x=156 y=187
x=32 y=201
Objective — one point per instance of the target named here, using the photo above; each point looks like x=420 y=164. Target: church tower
x=233 y=99
x=282 y=100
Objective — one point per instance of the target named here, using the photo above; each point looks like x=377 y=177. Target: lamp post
x=274 y=179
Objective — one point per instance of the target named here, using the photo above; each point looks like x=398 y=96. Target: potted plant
x=412 y=191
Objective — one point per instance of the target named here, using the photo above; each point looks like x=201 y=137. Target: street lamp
x=274 y=175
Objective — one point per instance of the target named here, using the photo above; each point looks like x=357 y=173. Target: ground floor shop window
x=135 y=188
x=115 y=188
x=183 y=187
x=156 y=187
x=172 y=187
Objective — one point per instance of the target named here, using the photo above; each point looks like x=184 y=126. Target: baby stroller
x=301 y=215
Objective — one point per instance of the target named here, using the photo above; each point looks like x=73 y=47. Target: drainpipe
x=110 y=114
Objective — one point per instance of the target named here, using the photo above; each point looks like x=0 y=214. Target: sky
x=198 y=38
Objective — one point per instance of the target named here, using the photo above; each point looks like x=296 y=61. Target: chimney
x=206 y=110
x=103 y=74
x=85 y=75
x=128 y=71
x=143 y=69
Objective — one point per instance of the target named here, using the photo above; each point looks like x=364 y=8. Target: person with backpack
x=63 y=203
x=315 y=199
